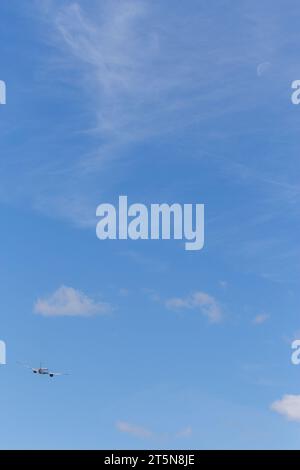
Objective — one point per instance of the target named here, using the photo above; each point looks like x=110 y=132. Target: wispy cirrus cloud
x=145 y=77
x=144 y=73
x=136 y=70
x=69 y=302
x=123 y=73
x=125 y=51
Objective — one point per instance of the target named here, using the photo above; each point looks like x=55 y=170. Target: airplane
x=42 y=370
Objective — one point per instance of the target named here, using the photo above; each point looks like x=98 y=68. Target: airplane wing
x=25 y=365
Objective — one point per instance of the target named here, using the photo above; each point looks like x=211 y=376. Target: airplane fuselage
x=41 y=371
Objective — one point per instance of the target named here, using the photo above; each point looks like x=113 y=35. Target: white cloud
x=207 y=304
x=260 y=319
x=151 y=294
x=288 y=406
x=134 y=430
x=186 y=432
x=178 y=303
x=223 y=284
x=67 y=301
x=124 y=292
x=144 y=433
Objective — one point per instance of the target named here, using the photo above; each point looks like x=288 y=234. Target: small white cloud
x=223 y=284
x=123 y=292
x=198 y=300
x=208 y=305
x=67 y=301
x=151 y=294
x=144 y=433
x=132 y=429
x=186 y=432
x=260 y=319
x=288 y=406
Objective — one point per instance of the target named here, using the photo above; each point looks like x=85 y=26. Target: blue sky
x=163 y=102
